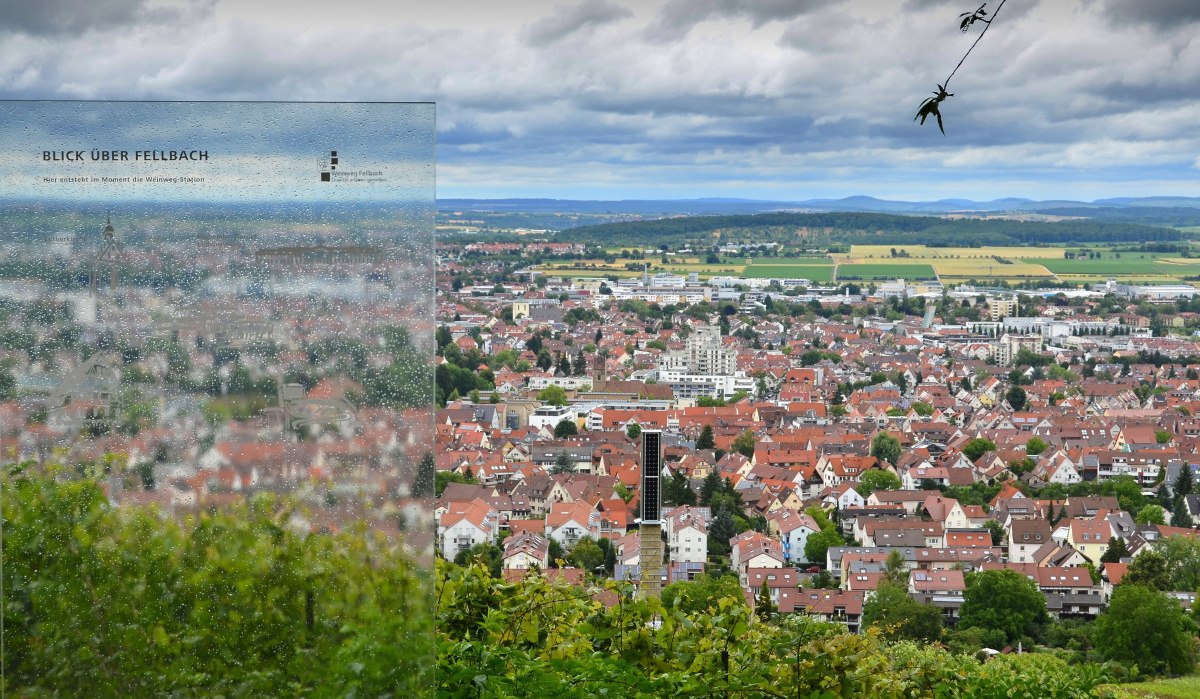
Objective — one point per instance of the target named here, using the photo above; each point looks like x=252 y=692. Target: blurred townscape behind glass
x=216 y=325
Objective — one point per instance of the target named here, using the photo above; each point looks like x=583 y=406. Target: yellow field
x=922 y=253
x=957 y=264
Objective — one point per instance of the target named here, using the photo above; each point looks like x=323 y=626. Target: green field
x=1179 y=688
x=817 y=273
x=1107 y=265
x=885 y=271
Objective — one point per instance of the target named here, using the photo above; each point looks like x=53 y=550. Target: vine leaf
x=932 y=106
x=970 y=18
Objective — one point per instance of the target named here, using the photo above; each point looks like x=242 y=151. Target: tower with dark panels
x=651 y=555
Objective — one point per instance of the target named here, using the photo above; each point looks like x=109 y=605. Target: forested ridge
x=864 y=229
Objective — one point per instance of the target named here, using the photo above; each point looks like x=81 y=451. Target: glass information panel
x=216 y=391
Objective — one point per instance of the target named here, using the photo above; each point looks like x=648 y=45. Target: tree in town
x=1016 y=398
x=900 y=617
x=977 y=447
x=996 y=530
x=885 y=447
x=744 y=444
x=878 y=479
x=1184 y=482
x=1035 y=446
x=1148 y=569
x=895 y=568
x=818 y=544
x=764 y=608
x=706 y=439
x=632 y=430
x=565 y=428
x=1181 y=517
x=711 y=485
x=563 y=463
x=1145 y=627
x=1152 y=514
x=587 y=555
x=1115 y=552
x=1004 y=600
x=678 y=491
x=553 y=395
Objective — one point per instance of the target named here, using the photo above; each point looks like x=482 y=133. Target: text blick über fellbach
x=119 y=155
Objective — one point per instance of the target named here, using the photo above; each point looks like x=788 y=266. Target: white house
x=568 y=522
x=468 y=524
x=793 y=529
x=687 y=534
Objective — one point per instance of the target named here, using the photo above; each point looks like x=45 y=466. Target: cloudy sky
x=597 y=99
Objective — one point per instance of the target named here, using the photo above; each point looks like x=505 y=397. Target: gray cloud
x=677 y=17
x=818 y=98
x=568 y=19
x=1164 y=14
x=67 y=17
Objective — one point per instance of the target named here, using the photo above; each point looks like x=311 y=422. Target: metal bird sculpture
x=932 y=105
x=970 y=18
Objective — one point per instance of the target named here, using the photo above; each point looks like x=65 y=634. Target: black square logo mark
x=333 y=167
x=324 y=176
x=333 y=154
x=333 y=161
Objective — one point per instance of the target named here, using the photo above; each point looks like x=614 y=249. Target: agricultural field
x=922 y=253
x=817 y=273
x=885 y=271
x=954 y=264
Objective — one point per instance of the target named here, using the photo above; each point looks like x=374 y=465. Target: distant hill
x=863 y=228
x=1155 y=211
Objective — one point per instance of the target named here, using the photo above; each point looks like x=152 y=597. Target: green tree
x=1183 y=482
x=632 y=430
x=1182 y=554
x=426 y=478
x=711 y=485
x=886 y=448
x=1152 y=514
x=996 y=530
x=744 y=444
x=900 y=617
x=895 y=569
x=490 y=555
x=553 y=395
x=588 y=555
x=565 y=428
x=1115 y=552
x=563 y=463
x=817 y=545
x=978 y=447
x=1149 y=569
x=1144 y=627
x=706 y=439
x=878 y=479
x=702 y=594
x=764 y=608
x=1015 y=397
x=444 y=478
x=677 y=490
x=823 y=580
x=1035 y=446
x=1004 y=600
x=1181 y=517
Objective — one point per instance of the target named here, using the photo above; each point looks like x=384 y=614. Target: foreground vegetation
x=539 y=638
x=105 y=602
